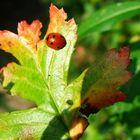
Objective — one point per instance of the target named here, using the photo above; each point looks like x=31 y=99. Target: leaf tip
x=54 y=11
x=78 y=127
x=124 y=53
x=120 y=97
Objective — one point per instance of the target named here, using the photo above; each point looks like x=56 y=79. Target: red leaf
x=102 y=80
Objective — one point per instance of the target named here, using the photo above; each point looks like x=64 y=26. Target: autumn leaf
x=41 y=76
x=98 y=86
x=102 y=79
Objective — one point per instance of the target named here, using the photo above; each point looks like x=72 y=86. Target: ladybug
x=55 y=41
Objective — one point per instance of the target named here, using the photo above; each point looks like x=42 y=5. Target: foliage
x=104 y=19
x=41 y=76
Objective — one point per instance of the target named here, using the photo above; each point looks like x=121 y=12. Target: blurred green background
x=118 y=122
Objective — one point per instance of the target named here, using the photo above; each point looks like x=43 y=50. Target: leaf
x=99 y=85
x=30 y=33
x=31 y=124
x=40 y=76
x=104 y=19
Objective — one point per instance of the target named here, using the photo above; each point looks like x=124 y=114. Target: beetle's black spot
x=0 y=44
x=53 y=36
x=58 y=47
x=51 y=43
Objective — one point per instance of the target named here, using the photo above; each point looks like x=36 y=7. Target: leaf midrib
x=50 y=95
x=48 y=86
x=49 y=89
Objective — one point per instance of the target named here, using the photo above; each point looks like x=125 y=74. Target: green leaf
x=135 y=56
x=104 y=19
x=33 y=124
x=40 y=76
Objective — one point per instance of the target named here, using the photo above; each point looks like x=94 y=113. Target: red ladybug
x=55 y=41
